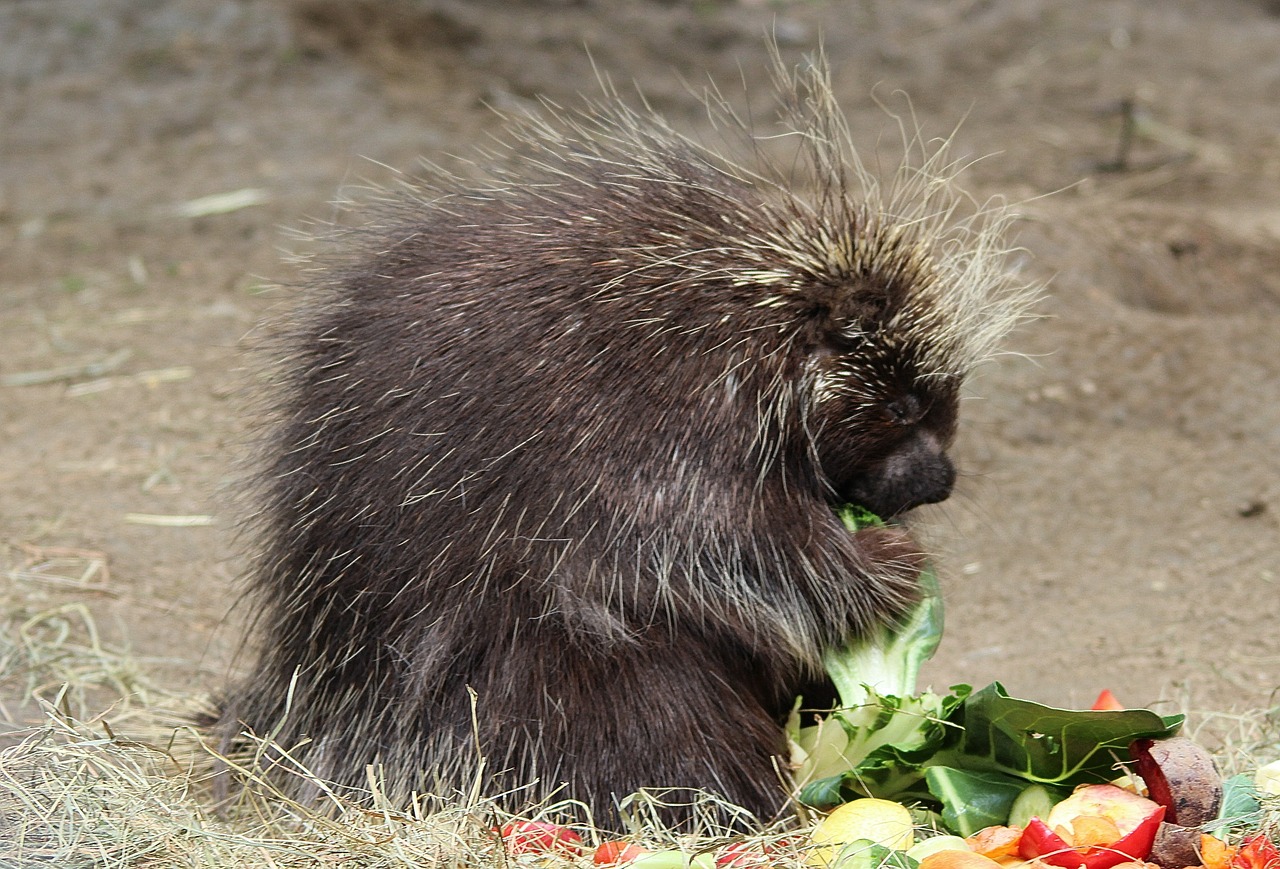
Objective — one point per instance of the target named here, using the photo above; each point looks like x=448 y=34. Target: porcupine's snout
x=917 y=472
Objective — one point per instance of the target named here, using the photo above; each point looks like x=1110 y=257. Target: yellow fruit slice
x=881 y=821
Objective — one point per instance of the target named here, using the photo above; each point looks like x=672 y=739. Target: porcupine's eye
x=904 y=411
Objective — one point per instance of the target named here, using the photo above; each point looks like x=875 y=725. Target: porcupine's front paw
x=896 y=562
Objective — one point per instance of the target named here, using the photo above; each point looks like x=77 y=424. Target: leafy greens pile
x=969 y=754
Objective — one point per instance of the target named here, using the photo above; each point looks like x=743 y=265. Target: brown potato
x=1176 y=846
x=1181 y=776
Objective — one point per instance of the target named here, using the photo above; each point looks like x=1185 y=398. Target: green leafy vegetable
x=877 y=742
x=985 y=732
x=968 y=753
x=888 y=661
x=973 y=800
x=1241 y=807
x=1063 y=747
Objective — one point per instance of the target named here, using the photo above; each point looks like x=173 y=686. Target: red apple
x=1097 y=827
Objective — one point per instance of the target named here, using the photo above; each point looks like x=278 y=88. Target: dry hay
x=75 y=798
x=73 y=795
x=134 y=786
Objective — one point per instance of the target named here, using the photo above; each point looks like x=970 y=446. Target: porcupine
x=553 y=475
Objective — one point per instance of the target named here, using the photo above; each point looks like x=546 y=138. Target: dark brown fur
x=555 y=468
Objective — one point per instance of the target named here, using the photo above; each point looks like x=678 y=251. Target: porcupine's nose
x=920 y=472
x=936 y=484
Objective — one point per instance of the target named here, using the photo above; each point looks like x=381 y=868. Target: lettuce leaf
x=967 y=753
x=1039 y=743
x=982 y=733
x=887 y=662
x=973 y=800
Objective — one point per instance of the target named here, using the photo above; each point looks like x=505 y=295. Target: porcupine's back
x=552 y=434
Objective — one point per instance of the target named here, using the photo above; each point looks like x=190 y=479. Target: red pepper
x=617 y=852
x=1038 y=841
x=540 y=837
x=740 y=855
x=1106 y=702
x=1258 y=852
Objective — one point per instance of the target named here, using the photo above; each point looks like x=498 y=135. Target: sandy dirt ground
x=1117 y=523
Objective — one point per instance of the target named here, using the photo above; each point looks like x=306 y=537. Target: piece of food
x=540 y=837
x=1097 y=827
x=882 y=723
x=972 y=799
x=743 y=855
x=953 y=859
x=887 y=660
x=617 y=852
x=1267 y=778
x=1106 y=702
x=1181 y=776
x=1241 y=811
x=996 y=842
x=934 y=844
x=672 y=859
x=1215 y=853
x=1035 y=801
x=1256 y=852
x=1176 y=846
x=882 y=822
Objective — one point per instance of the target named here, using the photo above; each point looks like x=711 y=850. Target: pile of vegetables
x=1005 y=780
x=977 y=780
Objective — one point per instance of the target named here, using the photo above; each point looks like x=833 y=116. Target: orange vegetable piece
x=1257 y=852
x=1090 y=830
x=995 y=842
x=1215 y=853
x=958 y=860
